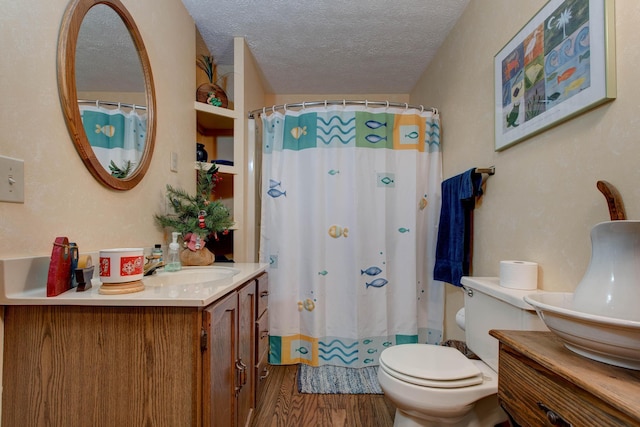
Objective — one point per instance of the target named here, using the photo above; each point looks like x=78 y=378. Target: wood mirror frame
x=70 y=28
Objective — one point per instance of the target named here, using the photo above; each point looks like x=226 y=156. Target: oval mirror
x=106 y=90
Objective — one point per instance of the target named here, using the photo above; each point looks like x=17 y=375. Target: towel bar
x=490 y=170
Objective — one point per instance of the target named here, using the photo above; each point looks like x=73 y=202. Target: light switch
x=11 y=180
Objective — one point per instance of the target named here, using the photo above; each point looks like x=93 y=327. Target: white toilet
x=432 y=385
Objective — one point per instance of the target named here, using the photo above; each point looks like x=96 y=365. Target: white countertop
x=23 y=282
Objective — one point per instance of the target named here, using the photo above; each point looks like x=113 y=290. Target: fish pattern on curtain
x=350 y=207
x=115 y=135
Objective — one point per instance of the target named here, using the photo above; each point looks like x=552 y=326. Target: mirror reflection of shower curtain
x=350 y=208
x=115 y=135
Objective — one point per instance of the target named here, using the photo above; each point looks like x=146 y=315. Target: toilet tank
x=487 y=306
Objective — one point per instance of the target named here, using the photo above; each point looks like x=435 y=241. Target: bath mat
x=338 y=380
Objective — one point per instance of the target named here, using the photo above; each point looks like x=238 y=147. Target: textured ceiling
x=330 y=46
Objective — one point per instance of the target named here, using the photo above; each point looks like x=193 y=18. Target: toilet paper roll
x=519 y=274
x=460 y=319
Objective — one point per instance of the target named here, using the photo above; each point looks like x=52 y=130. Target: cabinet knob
x=552 y=416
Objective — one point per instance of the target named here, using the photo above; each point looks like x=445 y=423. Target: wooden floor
x=282 y=406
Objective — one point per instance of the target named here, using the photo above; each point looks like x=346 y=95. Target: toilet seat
x=430 y=366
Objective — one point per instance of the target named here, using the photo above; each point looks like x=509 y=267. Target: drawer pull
x=265 y=374
x=264 y=334
x=553 y=417
x=264 y=294
x=241 y=379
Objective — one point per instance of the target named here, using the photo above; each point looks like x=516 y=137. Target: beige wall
x=61 y=197
x=253 y=97
x=542 y=202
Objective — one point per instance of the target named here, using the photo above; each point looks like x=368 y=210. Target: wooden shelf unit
x=229 y=126
x=219 y=130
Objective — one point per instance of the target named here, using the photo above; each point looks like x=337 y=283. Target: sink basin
x=605 y=339
x=205 y=276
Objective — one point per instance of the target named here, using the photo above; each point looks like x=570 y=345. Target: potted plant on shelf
x=212 y=93
x=197 y=218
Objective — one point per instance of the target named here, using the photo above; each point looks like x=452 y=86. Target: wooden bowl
x=202 y=94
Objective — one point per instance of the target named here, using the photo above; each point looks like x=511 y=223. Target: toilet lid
x=430 y=366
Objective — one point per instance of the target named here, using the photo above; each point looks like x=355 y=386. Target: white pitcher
x=611 y=284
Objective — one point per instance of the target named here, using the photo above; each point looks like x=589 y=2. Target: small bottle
x=173 y=257
x=156 y=253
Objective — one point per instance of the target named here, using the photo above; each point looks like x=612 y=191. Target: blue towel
x=453 y=248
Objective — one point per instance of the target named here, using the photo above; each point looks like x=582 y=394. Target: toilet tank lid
x=491 y=286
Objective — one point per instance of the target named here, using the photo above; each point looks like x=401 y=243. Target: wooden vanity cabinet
x=76 y=366
x=541 y=383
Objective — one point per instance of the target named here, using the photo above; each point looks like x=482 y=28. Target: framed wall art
x=559 y=65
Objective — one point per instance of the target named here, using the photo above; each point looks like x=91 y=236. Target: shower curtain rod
x=112 y=103
x=340 y=102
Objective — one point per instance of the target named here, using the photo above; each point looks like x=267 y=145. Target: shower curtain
x=115 y=135
x=350 y=207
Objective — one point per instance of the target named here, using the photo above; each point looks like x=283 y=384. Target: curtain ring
x=303 y=106
x=118 y=105
x=406 y=106
x=134 y=107
x=366 y=103
x=344 y=102
x=387 y=103
x=264 y=110
x=273 y=108
x=97 y=103
x=285 y=108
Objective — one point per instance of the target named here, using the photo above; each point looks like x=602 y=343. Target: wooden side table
x=541 y=383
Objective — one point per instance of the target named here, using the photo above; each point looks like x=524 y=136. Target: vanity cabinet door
x=229 y=358
x=220 y=356
x=246 y=351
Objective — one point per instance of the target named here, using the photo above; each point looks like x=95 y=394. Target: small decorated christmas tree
x=197 y=218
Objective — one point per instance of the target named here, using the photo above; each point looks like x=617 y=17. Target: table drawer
x=262 y=335
x=535 y=396
x=263 y=294
x=261 y=374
